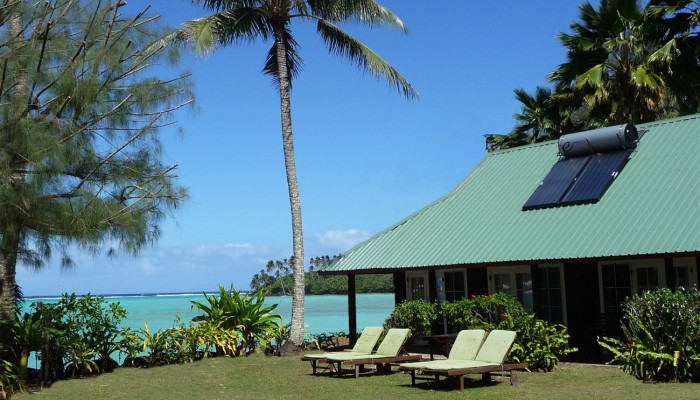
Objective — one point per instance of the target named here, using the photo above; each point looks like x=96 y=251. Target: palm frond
x=294 y=60
x=201 y=33
x=221 y=5
x=243 y=24
x=225 y=28
x=594 y=77
x=665 y=54
x=341 y=43
x=366 y=12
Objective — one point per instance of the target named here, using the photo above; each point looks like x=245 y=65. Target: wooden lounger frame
x=485 y=372
x=382 y=363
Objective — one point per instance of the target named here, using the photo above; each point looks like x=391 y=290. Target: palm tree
x=541 y=117
x=675 y=23
x=237 y=21
x=281 y=270
x=621 y=59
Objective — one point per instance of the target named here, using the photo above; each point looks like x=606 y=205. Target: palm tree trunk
x=296 y=333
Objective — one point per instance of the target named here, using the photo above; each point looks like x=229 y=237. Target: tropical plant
x=540 y=119
x=212 y=335
x=130 y=344
x=238 y=311
x=628 y=63
x=241 y=21
x=417 y=315
x=9 y=380
x=276 y=338
x=538 y=342
x=89 y=329
x=158 y=346
x=186 y=343
x=660 y=336
x=28 y=332
x=79 y=152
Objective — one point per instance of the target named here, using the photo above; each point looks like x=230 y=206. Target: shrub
x=417 y=315
x=162 y=346
x=86 y=330
x=240 y=312
x=661 y=330
x=538 y=343
x=483 y=312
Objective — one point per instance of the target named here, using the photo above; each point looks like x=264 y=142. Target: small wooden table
x=435 y=341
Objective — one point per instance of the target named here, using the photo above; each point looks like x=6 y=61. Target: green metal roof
x=652 y=208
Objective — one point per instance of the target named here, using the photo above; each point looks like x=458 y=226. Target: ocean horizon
x=115 y=295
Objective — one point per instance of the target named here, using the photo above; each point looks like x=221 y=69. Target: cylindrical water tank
x=599 y=140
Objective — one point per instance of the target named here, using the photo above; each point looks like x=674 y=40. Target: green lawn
x=263 y=377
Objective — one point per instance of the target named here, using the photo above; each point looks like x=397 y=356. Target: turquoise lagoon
x=324 y=313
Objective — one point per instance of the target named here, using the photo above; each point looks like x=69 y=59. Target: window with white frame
x=685 y=270
x=615 y=287
x=455 y=285
x=516 y=281
x=647 y=278
x=620 y=280
x=647 y=275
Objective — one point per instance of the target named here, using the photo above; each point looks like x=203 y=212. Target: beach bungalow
x=569 y=227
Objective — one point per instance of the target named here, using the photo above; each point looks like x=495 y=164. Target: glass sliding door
x=551 y=298
x=417 y=286
x=616 y=287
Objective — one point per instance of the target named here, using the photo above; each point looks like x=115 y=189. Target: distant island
x=276 y=278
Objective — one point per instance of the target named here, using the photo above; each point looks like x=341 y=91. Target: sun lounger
x=388 y=352
x=490 y=358
x=363 y=346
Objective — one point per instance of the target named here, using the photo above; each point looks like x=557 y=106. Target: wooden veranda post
x=352 y=310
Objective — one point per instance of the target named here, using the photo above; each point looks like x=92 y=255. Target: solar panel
x=595 y=179
x=556 y=184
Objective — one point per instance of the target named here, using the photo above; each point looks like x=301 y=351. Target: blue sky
x=366 y=157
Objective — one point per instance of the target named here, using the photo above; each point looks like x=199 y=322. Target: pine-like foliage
x=80 y=109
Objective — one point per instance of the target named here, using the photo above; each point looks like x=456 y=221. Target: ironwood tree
x=81 y=108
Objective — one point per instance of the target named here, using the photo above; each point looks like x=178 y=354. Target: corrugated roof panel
x=650 y=208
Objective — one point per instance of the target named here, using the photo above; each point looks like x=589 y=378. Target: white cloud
x=340 y=240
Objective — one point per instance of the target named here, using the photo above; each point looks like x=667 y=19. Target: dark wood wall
x=670 y=273
x=399 y=287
